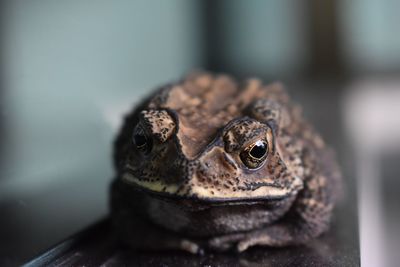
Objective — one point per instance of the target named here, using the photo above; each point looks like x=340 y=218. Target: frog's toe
x=190 y=247
x=224 y=243
x=242 y=246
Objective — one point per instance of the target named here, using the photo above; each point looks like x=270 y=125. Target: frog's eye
x=255 y=154
x=141 y=140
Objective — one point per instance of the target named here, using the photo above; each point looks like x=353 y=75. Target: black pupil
x=258 y=150
x=140 y=140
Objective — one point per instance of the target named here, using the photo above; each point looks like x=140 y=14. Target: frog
x=211 y=163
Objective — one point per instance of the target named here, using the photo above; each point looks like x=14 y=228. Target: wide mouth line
x=206 y=200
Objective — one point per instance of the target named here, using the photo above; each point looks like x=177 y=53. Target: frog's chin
x=198 y=193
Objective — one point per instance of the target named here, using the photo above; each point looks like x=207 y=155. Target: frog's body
x=207 y=163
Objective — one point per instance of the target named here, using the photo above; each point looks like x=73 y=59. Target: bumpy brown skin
x=190 y=189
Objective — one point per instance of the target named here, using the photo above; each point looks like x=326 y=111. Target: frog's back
x=204 y=103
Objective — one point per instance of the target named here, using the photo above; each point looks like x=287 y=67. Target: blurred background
x=71 y=69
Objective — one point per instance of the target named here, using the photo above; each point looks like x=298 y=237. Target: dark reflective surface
x=97 y=246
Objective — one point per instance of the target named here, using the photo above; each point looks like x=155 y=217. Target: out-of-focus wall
x=70 y=66
x=370 y=35
x=70 y=69
x=257 y=38
x=371 y=46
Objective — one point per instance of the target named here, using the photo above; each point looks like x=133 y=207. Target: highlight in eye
x=255 y=154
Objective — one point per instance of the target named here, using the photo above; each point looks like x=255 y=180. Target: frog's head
x=193 y=141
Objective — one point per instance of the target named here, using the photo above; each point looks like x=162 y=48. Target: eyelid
x=252 y=142
x=270 y=137
x=242 y=132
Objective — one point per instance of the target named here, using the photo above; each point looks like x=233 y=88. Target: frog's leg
x=137 y=232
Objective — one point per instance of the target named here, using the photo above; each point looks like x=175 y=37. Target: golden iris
x=255 y=154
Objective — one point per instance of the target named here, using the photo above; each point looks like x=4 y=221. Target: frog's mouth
x=255 y=192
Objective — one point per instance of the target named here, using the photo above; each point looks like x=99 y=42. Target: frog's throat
x=265 y=191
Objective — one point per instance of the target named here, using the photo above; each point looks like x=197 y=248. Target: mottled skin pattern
x=185 y=178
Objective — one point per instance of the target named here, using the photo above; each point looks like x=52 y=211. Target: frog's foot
x=253 y=240
x=240 y=242
x=225 y=242
x=160 y=241
x=190 y=246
